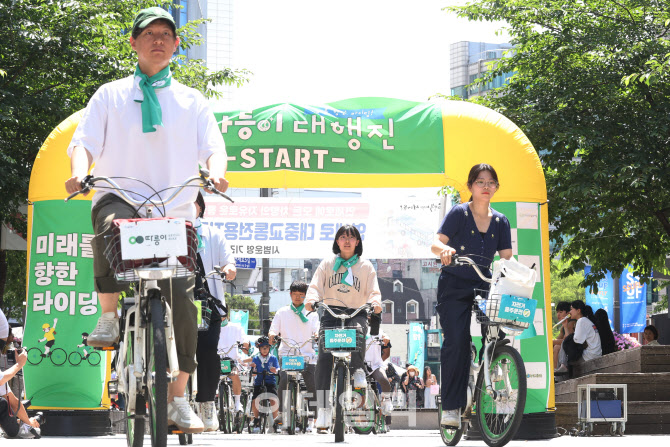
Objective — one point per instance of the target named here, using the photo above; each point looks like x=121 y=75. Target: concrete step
x=644 y=417
x=641 y=386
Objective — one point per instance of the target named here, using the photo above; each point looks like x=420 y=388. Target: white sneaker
x=387 y=407
x=451 y=418
x=181 y=414
x=209 y=416
x=28 y=432
x=106 y=332
x=324 y=418
x=359 y=379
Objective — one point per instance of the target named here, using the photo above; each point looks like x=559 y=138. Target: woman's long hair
x=425 y=374
x=587 y=311
x=605 y=332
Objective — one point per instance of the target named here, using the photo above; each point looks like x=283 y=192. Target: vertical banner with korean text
x=62 y=371
x=604 y=298
x=416 y=345
x=633 y=302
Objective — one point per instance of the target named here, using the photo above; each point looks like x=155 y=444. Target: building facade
x=468 y=61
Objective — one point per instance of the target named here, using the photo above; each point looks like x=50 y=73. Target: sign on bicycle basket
x=517 y=308
x=340 y=338
x=226 y=367
x=293 y=363
x=146 y=239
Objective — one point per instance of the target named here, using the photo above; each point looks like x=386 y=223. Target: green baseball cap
x=146 y=16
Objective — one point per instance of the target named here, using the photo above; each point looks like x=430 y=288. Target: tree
x=53 y=56
x=602 y=136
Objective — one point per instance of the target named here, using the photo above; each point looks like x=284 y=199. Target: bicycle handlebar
x=366 y=307
x=89 y=183
x=219 y=275
x=457 y=260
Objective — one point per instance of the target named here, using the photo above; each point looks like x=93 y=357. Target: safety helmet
x=45 y=326
x=262 y=341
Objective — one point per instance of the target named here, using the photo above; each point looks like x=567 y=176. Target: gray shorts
x=178 y=291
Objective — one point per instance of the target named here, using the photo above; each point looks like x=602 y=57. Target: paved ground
x=396 y=438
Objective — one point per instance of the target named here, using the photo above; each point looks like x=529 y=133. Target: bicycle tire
x=74 y=358
x=182 y=439
x=94 y=355
x=263 y=422
x=339 y=408
x=450 y=436
x=303 y=421
x=58 y=356
x=291 y=411
x=35 y=356
x=242 y=415
x=223 y=407
x=371 y=416
x=135 y=422
x=498 y=428
x=157 y=367
x=228 y=419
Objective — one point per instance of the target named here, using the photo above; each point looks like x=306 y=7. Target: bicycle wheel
x=263 y=418
x=242 y=414
x=500 y=416
x=135 y=422
x=93 y=358
x=303 y=420
x=369 y=413
x=35 y=356
x=290 y=407
x=450 y=436
x=58 y=356
x=157 y=371
x=340 y=374
x=227 y=413
x=74 y=358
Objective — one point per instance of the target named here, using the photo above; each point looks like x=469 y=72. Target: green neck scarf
x=152 y=115
x=349 y=279
x=298 y=312
x=224 y=323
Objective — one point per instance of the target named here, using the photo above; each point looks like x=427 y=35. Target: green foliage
x=53 y=56
x=15 y=287
x=602 y=138
x=564 y=287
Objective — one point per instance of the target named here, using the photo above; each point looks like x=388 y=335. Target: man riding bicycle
x=148 y=127
x=293 y=324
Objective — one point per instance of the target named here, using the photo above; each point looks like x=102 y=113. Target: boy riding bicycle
x=149 y=127
x=264 y=362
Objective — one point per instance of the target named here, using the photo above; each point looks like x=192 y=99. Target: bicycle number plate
x=226 y=367
x=146 y=239
x=517 y=308
x=340 y=338
x=293 y=363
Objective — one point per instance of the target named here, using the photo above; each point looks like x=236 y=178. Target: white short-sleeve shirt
x=111 y=131
x=231 y=334
x=290 y=326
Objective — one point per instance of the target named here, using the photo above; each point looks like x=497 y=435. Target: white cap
x=4 y=325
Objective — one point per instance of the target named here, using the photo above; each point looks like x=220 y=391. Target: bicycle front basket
x=124 y=265
x=341 y=339
x=293 y=362
x=512 y=312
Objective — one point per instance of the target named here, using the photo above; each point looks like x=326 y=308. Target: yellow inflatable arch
x=472 y=134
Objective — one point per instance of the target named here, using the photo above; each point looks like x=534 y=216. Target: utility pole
x=264 y=305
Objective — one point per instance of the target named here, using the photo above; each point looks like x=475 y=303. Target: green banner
x=62 y=371
x=362 y=135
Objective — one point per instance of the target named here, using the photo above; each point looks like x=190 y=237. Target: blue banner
x=604 y=299
x=633 y=297
x=416 y=344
